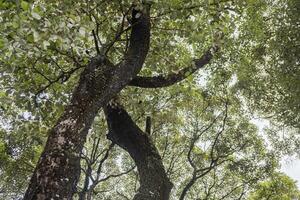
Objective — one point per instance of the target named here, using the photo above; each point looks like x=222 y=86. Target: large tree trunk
x=58 y=169
x=154 y=183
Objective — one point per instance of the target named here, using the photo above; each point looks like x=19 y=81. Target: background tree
x=279 y=186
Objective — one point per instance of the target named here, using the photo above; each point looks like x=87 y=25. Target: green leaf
x=30 y=38
x=2 y=43
x=46 y=44
x=36 y=36
x=24 y=5
x=36 y=15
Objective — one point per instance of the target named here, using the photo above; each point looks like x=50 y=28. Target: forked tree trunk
x=58 y=169
x=154 y=183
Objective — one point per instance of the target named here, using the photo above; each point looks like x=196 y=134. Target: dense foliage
x=278 y=187
x=203 y=126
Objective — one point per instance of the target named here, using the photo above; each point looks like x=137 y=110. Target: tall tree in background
x=61 y=63
x=278 y=187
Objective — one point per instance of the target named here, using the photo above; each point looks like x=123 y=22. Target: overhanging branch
x=172 y=78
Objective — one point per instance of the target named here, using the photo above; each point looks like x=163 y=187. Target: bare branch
x=220 y=132
x=63 y=77
x=115 y=175
x=103 y=160
x=214 y=161
x=96 y=42
x=120 y=31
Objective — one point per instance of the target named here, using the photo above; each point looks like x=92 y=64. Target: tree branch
x=148 y=125
x=96 y=42
x=215 y=160
x=172 y=78
x=154 y=183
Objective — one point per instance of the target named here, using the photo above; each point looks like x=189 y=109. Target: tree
x=279 y=186
x=64 y=62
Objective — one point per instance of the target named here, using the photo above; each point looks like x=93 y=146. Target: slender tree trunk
x=154 y=183
x=85 y=190
x=58 y=169
x=188 y=186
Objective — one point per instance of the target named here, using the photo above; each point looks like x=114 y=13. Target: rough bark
x=58 y=169
x=154 y=183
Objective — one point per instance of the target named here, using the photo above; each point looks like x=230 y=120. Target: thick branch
x=172 y=78
x=138 y=47
x=154 y=183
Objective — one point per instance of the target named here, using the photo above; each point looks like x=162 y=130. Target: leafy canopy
x=44 y=45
